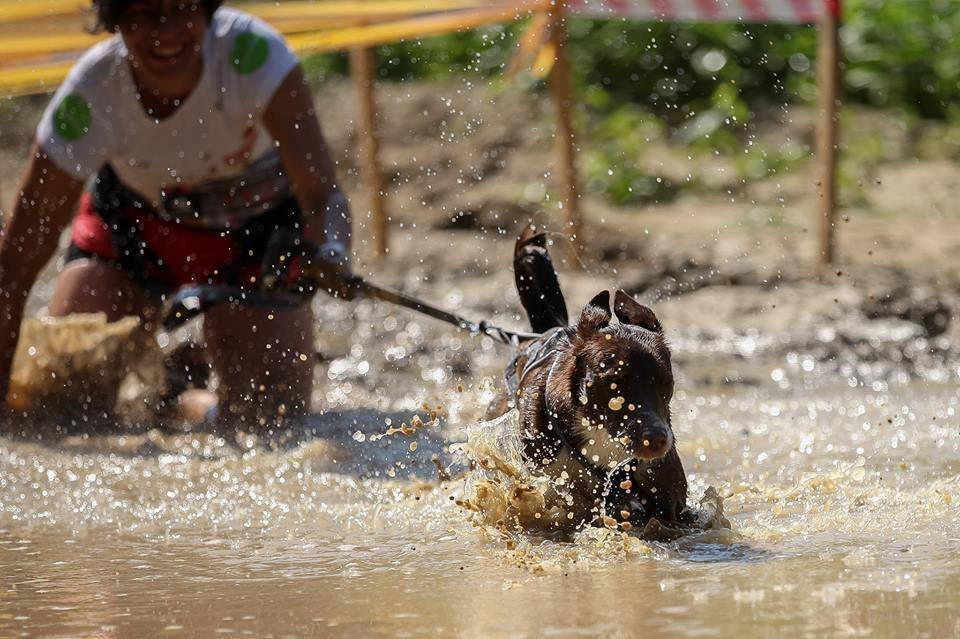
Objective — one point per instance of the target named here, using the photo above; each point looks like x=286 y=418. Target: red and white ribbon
x=788 y=11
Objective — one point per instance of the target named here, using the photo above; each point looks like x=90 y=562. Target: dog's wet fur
x=593 y=395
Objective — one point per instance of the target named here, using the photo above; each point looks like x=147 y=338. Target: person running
x=178 y=147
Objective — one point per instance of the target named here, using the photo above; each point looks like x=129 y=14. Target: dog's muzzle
x=652 y=437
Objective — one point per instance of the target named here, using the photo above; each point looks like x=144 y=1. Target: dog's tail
x=537 y=282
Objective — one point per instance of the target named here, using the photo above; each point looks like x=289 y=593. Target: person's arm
x=291 y=119
x=45 y=204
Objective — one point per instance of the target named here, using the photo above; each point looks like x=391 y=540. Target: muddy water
x=843 y=504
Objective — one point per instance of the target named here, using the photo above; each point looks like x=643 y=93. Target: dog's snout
x=654 y=445
x=654 y=439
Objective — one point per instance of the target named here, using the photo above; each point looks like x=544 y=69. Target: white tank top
x=216 y=134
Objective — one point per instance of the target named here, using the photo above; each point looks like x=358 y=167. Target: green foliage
x=939 y=140
x=320 y=66
x=898 y=53
x=479 y=52
x=700 y=85
x=706 y=79
x=680 y=70
x=904 y=54
x=613 y=163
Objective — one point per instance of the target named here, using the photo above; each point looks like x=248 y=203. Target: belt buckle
x=180 y=204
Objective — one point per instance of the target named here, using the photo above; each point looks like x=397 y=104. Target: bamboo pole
x=828 y=128
x=562 y=95
x=362 y=65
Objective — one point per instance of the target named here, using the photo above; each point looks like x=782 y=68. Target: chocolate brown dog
x=594 y=399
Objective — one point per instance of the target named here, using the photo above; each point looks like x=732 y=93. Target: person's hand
x=295 y=265
x=326 y=268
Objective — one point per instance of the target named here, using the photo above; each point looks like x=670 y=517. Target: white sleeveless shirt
x=215 y=135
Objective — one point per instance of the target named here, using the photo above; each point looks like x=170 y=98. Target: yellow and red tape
x=37 y=62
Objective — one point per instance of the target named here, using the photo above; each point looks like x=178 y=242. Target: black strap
x=537 y=352
x=111 y=201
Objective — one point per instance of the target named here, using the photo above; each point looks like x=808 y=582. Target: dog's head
x=614 y=384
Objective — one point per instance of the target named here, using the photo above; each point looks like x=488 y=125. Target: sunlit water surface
x=844 y=505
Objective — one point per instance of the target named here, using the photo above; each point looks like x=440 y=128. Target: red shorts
x=163 y=256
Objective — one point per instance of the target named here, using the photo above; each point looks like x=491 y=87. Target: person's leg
x=264 y=361
x=92 y=286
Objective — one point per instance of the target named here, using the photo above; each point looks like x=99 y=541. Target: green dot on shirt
x=250 y=51
x=72 y=117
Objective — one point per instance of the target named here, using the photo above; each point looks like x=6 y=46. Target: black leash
x=483 y=327
x=192 y=301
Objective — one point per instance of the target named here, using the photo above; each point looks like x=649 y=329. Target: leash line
x=192 y=301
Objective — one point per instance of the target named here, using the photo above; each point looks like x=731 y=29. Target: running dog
x=594 y=400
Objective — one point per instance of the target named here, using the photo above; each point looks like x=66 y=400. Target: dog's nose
x=653 y=444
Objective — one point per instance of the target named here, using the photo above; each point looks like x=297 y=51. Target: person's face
x=164 y=38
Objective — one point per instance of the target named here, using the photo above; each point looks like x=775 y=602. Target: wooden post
x=562 y=95
x=362 y=66
x=828 y=83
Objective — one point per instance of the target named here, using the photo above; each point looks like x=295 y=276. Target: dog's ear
x=596 y=314
x=630 y=311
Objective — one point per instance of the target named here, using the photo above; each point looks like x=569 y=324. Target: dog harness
x=538 y=353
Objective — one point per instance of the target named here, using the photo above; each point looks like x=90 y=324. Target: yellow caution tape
x=411 y=28
x=529 y=45
x=544 y=63
x=18 y=10
x=26 y=81
x=12 y=47
x=14 y=10
x=46 y=44
x=300 y=25
x=18 y=47
x=368 y=8
x=46 y=68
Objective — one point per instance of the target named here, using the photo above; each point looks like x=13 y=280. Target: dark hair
x=109 y=12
